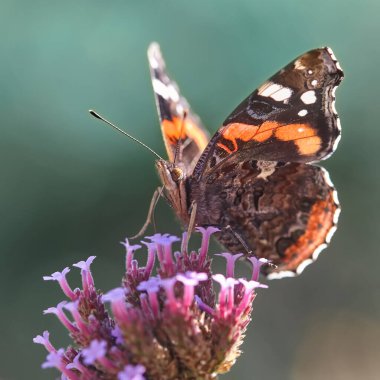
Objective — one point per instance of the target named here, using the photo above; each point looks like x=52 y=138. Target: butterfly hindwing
x=290 y=118
x=176 y=118
x=285 y=212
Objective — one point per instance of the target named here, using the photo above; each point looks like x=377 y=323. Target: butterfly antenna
x=96 y=115
x=179 y=142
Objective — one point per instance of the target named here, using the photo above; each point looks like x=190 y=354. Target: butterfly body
x=254 y=179
x=175 y=183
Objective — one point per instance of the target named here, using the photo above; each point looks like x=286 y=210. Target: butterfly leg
x=191 y=226
x=244 y=244
x=239 y=238
x=153 y=203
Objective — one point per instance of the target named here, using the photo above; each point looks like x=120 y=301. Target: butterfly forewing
x=178 y=121
x=290 y=118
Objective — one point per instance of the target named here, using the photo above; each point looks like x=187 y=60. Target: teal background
x=71 y=187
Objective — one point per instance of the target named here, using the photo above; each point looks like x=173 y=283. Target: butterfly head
x=171 y=174
x=173 y=178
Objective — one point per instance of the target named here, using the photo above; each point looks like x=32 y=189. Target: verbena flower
x=167 y=325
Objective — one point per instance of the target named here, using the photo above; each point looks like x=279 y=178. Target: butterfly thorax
x=173 y=178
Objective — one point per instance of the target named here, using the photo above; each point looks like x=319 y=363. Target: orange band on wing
x=240 y=131
x=265 y=131
x=294 y=132
x=247 y=132
x=171 y=130
x=318 y=226
x=303 y=135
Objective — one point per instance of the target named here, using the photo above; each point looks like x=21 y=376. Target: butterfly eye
x=177 y=174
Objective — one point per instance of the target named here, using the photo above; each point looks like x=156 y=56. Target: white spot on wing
x=275 y=91
x=154 y=56
x=303 y=265
x=279 y=275
x=166 y=91
x=326 y=157
x=160 y=88
x=302 y=113
x=330 y=234
x=267 y=168
x=282 y=94
x=336 y=215
x=327 y=177
x=153 y=62
x=318 y=250
x=314 y=82
x=179 y=108
x=173 y=93
x=338 y=124
x=336 y=142
x=298 y=65
x=268 y=88
x=335 y=197
x=309 y=97
x=332 y=55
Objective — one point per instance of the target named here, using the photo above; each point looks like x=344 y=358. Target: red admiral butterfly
x=255 y=179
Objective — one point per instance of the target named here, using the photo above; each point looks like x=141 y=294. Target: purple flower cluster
x=170 y=325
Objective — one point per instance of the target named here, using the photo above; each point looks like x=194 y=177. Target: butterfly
x=255 y=179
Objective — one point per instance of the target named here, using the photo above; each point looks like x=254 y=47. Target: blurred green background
x=71 y=188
